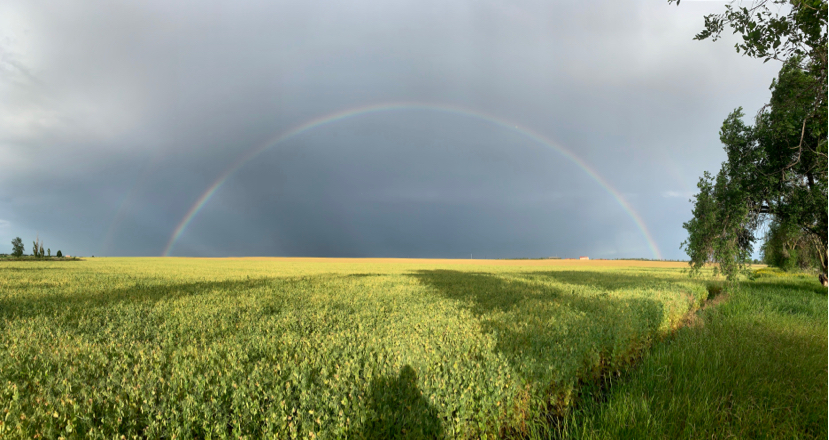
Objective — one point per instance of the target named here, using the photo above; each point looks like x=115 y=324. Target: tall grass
x=752 y=367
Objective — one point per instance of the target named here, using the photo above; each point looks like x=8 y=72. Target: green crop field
x=304 y=348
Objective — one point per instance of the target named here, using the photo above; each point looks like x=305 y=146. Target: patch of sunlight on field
x=277 y=347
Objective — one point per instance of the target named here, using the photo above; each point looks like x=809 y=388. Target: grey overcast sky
x=499 y=129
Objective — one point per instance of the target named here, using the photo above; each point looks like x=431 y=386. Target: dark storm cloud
x=115 y=118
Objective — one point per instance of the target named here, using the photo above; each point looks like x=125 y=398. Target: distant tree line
x=37 y=249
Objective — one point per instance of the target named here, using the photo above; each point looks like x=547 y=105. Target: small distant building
x=584 y=258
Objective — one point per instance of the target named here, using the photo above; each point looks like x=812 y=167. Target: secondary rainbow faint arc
x=352 y=112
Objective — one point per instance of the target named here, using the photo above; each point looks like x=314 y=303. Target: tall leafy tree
x=17 y=247
x=777 y=168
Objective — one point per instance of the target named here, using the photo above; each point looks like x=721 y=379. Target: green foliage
x=17 y=247
x=156 y=348
x=788 y=248
x=766 y=175
x=59 y=254
x=753 y=367
x=767 y=34
x=778 y=167
x=721 y=228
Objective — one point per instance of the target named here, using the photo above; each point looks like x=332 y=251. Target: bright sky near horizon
x=362 y=129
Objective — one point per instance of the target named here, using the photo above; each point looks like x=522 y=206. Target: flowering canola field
x=307 y=348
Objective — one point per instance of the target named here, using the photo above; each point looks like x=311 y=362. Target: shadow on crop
x=484 y=293
x=608 y=281
x=143 y=293
x=542 y=326
x=399 y=410
x=49 y=299
x=28 y=269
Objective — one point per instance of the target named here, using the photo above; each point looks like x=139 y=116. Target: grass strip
x=754 y=367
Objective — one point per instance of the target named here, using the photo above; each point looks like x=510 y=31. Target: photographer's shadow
x=399 y=410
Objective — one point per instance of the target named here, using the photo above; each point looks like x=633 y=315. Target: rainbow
x=353 y=112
